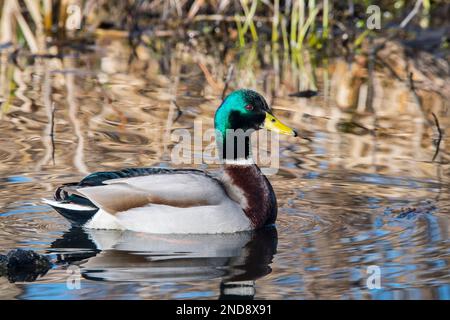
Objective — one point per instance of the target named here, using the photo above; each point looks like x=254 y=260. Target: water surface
x=348 y=199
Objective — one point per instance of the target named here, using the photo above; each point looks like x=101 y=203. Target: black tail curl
x=61 y=194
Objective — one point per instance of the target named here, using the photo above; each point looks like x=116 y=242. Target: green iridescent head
x=246 y=110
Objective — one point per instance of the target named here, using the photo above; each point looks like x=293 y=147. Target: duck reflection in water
x=238 y=259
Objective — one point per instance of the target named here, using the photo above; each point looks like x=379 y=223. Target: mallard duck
x=160 y=200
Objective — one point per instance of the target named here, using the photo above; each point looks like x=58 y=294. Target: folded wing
x=177 y=190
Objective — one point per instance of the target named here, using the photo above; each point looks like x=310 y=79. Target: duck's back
x=152 y=200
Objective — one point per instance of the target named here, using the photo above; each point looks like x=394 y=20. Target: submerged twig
x=439 y=139
x=370 y=71
x=52 y=131
x=175 y=75
x=179 y=111
x=436 y=121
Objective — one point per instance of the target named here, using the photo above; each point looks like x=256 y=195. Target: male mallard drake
x=159 y=200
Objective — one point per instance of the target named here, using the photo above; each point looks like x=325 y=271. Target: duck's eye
x=249 y=107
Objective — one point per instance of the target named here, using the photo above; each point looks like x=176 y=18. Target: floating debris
x=304 y=94
x=23 y=265
x=412 y=212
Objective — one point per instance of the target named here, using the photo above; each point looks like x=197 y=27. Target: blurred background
x=100 y=85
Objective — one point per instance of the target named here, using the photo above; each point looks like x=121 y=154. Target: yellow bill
x=273 y=124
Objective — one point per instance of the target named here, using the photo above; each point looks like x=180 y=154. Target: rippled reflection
x=236 y=259
x=350 y=198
